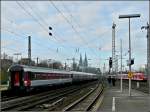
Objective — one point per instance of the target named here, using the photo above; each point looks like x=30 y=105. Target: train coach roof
x=35 y=69
x=26 y=68
x=82 y=73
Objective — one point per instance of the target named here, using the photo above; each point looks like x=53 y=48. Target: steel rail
x=88 y=100
x=33 y=101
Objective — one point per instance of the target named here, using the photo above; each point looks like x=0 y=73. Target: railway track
x=32 y=101
x=86 y=102
x=6 y=98
x=8 y=95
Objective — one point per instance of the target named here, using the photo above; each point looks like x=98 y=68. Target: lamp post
x=121 y=65
x=52 y=62
x=0 y=55
x=37 y=60
x=104 y=65
x=113 y=50
x=65 y=65
x=89 y=60
x=104 y=68
x=88 y=70
x=129 y=17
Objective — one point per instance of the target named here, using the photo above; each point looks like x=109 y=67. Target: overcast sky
x=83 y=25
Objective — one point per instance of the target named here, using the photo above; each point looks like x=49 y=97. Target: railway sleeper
x=53 y=105
x=86 y=102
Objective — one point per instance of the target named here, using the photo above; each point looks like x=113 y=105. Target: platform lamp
x=129 y=16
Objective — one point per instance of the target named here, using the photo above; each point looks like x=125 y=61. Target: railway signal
x=129 y=63
x=50 y=28
x=110 y=62
x=132 y=61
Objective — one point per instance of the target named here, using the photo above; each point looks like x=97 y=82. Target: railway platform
x=116 y=101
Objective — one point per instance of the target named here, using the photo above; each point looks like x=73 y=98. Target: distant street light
x=90 y=64
x=37 y=60
x=52 y=62
x=122 y=17
x=65 y=66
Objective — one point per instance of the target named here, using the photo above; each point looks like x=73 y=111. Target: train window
x=57 y=75
x=60 y=76
x=65 y=75
x=31 y=76
x=49 y=76
x=71 y=75
x=52 y=75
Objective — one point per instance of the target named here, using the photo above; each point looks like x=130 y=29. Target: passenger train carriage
x=23 y=77
x=136 y=77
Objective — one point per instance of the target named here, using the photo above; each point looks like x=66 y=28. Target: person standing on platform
x=113 y=81
x=109 y=80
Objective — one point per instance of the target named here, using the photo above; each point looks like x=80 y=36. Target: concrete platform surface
x=116 y=101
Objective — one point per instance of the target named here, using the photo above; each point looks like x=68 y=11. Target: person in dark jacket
x=113 y=81
x=109 y=80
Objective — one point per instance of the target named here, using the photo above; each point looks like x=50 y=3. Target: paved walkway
x=116 y=101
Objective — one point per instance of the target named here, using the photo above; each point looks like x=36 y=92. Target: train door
x=27 y=78
x=16 y=79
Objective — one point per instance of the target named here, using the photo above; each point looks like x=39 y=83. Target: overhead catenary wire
x=32 y=17
x=12 y=32
x=30 y=14
x=23 y=35
x=45 y=29
x=42 y=26
x=36 y=42
x=8 y=48
x=58 y=38
x=79 y=26
x=12 y=22
x=38 y=20
x=45 y=24
x=72 y=26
